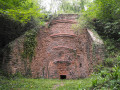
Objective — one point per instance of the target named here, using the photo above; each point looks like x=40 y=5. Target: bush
x=94 y=83
x=116 y=73
x=109 y=62
x=98 y=68
x=103 y=16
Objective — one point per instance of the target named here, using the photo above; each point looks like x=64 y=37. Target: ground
x=48 y=84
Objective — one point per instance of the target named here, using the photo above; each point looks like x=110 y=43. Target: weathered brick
x=60 y=51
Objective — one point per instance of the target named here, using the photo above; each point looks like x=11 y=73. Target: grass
x=27 y=84
x=47 y=84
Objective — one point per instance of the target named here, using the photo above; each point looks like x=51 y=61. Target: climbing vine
x=94 y=51
x=29 y=44
x=29 y=50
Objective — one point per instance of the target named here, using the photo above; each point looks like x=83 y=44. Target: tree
x=72 y=6
x=103 y=15
x=20 y=10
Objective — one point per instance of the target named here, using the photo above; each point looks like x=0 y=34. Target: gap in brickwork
x=62 y=76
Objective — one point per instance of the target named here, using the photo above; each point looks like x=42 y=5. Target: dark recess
x=10 y=30
x=62 y=76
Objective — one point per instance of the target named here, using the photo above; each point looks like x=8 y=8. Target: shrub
x=115 y=73
x=94 y=83
x=103 y=16
x=98 y=68
x=109 y=62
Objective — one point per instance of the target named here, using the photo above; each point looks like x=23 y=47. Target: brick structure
x=61 y=52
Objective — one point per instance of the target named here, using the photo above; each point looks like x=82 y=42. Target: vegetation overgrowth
x=100 y=15
x=103 y=16
x=18 y=17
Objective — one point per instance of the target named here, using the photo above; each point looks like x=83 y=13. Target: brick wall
x=60 y=51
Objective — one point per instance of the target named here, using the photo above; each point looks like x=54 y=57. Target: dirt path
x=58 y=85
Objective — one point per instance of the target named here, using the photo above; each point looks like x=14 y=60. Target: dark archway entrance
x=62 y=76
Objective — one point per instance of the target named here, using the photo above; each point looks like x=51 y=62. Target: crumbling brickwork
x=62 y=51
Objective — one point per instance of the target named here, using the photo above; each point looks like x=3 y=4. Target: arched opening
x=80 y=65
x=62 y=76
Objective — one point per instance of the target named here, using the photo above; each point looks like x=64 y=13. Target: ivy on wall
x=29 y=44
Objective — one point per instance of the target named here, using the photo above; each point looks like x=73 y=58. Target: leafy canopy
x=72 y=6
x=20 y=10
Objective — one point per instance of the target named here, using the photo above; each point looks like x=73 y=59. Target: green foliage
x=111 y=75
x=103 y=16
x=109 y=62
x=83 y=22
x=73 y=6
x=108 y=10
x=94 y=83
x=112 y=48
x=20 y=10
x=104 y=73
x=115 y=73
x=28 y=84
x=48 y=84
x=29 y=50
x=87 y=16
x=103 y=80
x=29 y=44
x=98 y=68
x=68 y=7
x=108 y=29
x=109 y=70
